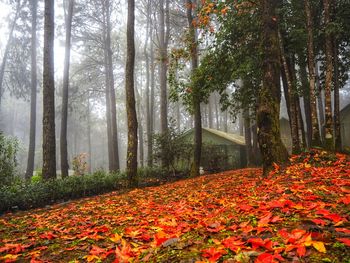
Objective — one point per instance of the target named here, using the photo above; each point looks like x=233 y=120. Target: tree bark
x=195 y=93
x=293 y=119
x=306 y=98
x=248 y=137
x=315 y=137
x=320 y=105
x=65 y=91
x=337 y=134
x=329 y=137
x=163 y=49
x=269 y=138
x=33 y=95
x=49 y=136
x=131 y=163
x=89 y=134
x=114 y=129
x=148 y=110
x=151 y=113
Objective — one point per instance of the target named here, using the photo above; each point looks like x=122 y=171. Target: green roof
x=223 y=136
x=235 y=138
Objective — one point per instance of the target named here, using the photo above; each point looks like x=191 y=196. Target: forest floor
x=299 y=213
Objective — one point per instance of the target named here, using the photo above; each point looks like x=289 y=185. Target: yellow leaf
x=319 y=246
x=90 y=258
x=116 y=238
x=10 y=257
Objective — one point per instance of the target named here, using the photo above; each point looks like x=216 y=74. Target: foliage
x=298 y=213
x=170 y=148
x=22 y=195
x=8 y=163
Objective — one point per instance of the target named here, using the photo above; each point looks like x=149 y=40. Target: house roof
x=235 y=138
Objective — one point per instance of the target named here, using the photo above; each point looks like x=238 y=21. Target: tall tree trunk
x=114 y=130
x=65 y=92
x=131 y=158
x=140 y=128
x=329 y=138
x=7 y=48
x=151 y=110
x=33 y=95
x=195 y=93
x=89 y=134
x=315 y=141
x=306 y=97
x=269 y=137
x=147 y=95
x=163 y=49
x=49 y=136
x=337 y=134
x=217 y=113
x=210 y=111
x=301 y=126
x=248 y=137
x=293 y=119
x=320 y=104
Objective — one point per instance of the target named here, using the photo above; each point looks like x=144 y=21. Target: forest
x=175 y=131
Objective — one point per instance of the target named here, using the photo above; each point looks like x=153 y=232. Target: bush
x=8 y=162
x=38 y=193
x=22 y=195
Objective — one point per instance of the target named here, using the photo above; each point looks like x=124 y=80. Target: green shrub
x=8 y=162
x=22 y=195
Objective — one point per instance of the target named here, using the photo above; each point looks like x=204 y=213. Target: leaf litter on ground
x=299 y=213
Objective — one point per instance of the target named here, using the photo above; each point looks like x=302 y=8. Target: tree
x=131 y=158
x=315 y=137
x=110 y=93
x=164 y=35
x=196 y=99
x=329 y=138
x=49 y=137
x=271 y=146
x=33 y=97
x=65 y=91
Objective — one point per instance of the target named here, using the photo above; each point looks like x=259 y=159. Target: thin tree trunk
x=329 y=138
x=49 y=136
x=114 y=130
x=290 y=93
x=140 y=128
x=269 y=137
x=217 y=113
x=248 y=136
x=337 y=134
x=306 y=98
x=315 y=141
x=210 y=111
x=33 y=95
x=195 y=93
x=163 y=46
x=65 y=92
x=151 y=113
x=131 y=158
x=320 y=105
x=89 y=134
x=147 y=95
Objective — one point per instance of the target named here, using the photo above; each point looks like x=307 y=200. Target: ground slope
x=300 y=213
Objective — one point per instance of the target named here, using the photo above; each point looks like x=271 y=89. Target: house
x=345 y=127
x=220 y=150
